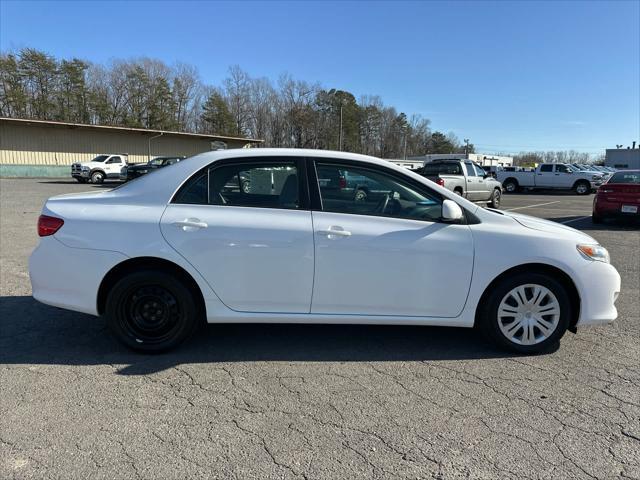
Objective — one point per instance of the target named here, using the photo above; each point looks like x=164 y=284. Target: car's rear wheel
x=97 y=177
x=151 y=311
x=526 y=313
x=496 y=196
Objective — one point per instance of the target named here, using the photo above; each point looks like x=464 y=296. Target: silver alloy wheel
x=510 y=187
x=528 y=314
x=581 y=188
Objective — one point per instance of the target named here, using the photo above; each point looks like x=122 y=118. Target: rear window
x=446 y=168
x=625 y=177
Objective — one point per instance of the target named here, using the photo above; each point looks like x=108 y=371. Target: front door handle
x=333 y=232
x=191 y=224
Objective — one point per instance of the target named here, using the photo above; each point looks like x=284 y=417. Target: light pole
x=466 y=146
x=340 y=135
x=405 y=144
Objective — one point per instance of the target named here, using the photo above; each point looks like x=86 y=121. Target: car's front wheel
x=97 y=177
x=151 y=311
x=526 y=313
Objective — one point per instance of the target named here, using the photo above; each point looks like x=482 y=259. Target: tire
x=361 y=195
x=457 y=191
x=510 y=185
x=97 y=177
x=151 y=311
x=582 y=188
x=496 y=196
x=494 y=314
x=246 y=187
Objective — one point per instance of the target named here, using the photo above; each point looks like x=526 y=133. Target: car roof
x=160 y=187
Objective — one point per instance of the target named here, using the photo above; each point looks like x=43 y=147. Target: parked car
x=592 y=169
x=465 y=178
x=618 y=198
x=101 y=167
x=129 y=172
x=171 y=250
x=559 y=176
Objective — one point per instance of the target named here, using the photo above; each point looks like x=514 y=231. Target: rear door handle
x=334 y=232
x=191 y=224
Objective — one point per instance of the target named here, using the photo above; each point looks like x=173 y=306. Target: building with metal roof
x=38 y=143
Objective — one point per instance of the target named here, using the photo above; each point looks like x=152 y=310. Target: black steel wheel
x=151 y=311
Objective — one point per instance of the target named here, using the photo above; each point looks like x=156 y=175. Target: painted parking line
x=575 y=219
x=532 y=206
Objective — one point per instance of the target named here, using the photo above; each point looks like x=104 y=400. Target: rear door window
x=262 y=184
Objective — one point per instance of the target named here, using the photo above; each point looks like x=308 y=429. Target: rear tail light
x=342 y=182
x=440 y=181
x=48 y=225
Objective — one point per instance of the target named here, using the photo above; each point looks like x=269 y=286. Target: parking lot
x=312 y=402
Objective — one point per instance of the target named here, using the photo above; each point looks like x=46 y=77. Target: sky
x=508 y=75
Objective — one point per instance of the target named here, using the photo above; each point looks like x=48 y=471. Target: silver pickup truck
x=465 y=178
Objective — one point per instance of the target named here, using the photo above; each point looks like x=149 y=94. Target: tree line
x=148 y=93
x=557 y=156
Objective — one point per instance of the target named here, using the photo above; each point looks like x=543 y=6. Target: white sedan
x=279 y=236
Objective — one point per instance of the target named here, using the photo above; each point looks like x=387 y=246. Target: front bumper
x=599 y=287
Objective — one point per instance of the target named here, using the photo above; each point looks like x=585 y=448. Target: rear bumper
x=610 y=209
x=69 y=277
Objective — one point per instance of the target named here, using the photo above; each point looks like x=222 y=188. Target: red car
x=619 y=197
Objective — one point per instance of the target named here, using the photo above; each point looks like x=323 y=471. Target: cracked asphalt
x=312 y=402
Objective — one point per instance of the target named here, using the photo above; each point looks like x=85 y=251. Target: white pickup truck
x=101 y=167
x=551 y=176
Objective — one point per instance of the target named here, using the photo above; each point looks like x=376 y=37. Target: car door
x=113 y=166
x=484 y=191
x=389 y=255
x=255 y=247
x=563 y=177
x=474 y=182
x=545 y=176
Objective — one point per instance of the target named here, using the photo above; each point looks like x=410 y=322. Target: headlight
x=594 y=252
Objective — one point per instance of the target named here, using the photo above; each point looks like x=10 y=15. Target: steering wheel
x=382 y=205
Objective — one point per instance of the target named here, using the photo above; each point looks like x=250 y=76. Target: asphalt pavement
x=312 y=402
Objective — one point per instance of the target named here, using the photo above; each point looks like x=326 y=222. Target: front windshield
x=100 y=158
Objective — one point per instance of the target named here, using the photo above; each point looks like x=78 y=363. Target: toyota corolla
x=161 y=255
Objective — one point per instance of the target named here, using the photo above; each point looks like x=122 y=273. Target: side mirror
x=451 y=211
